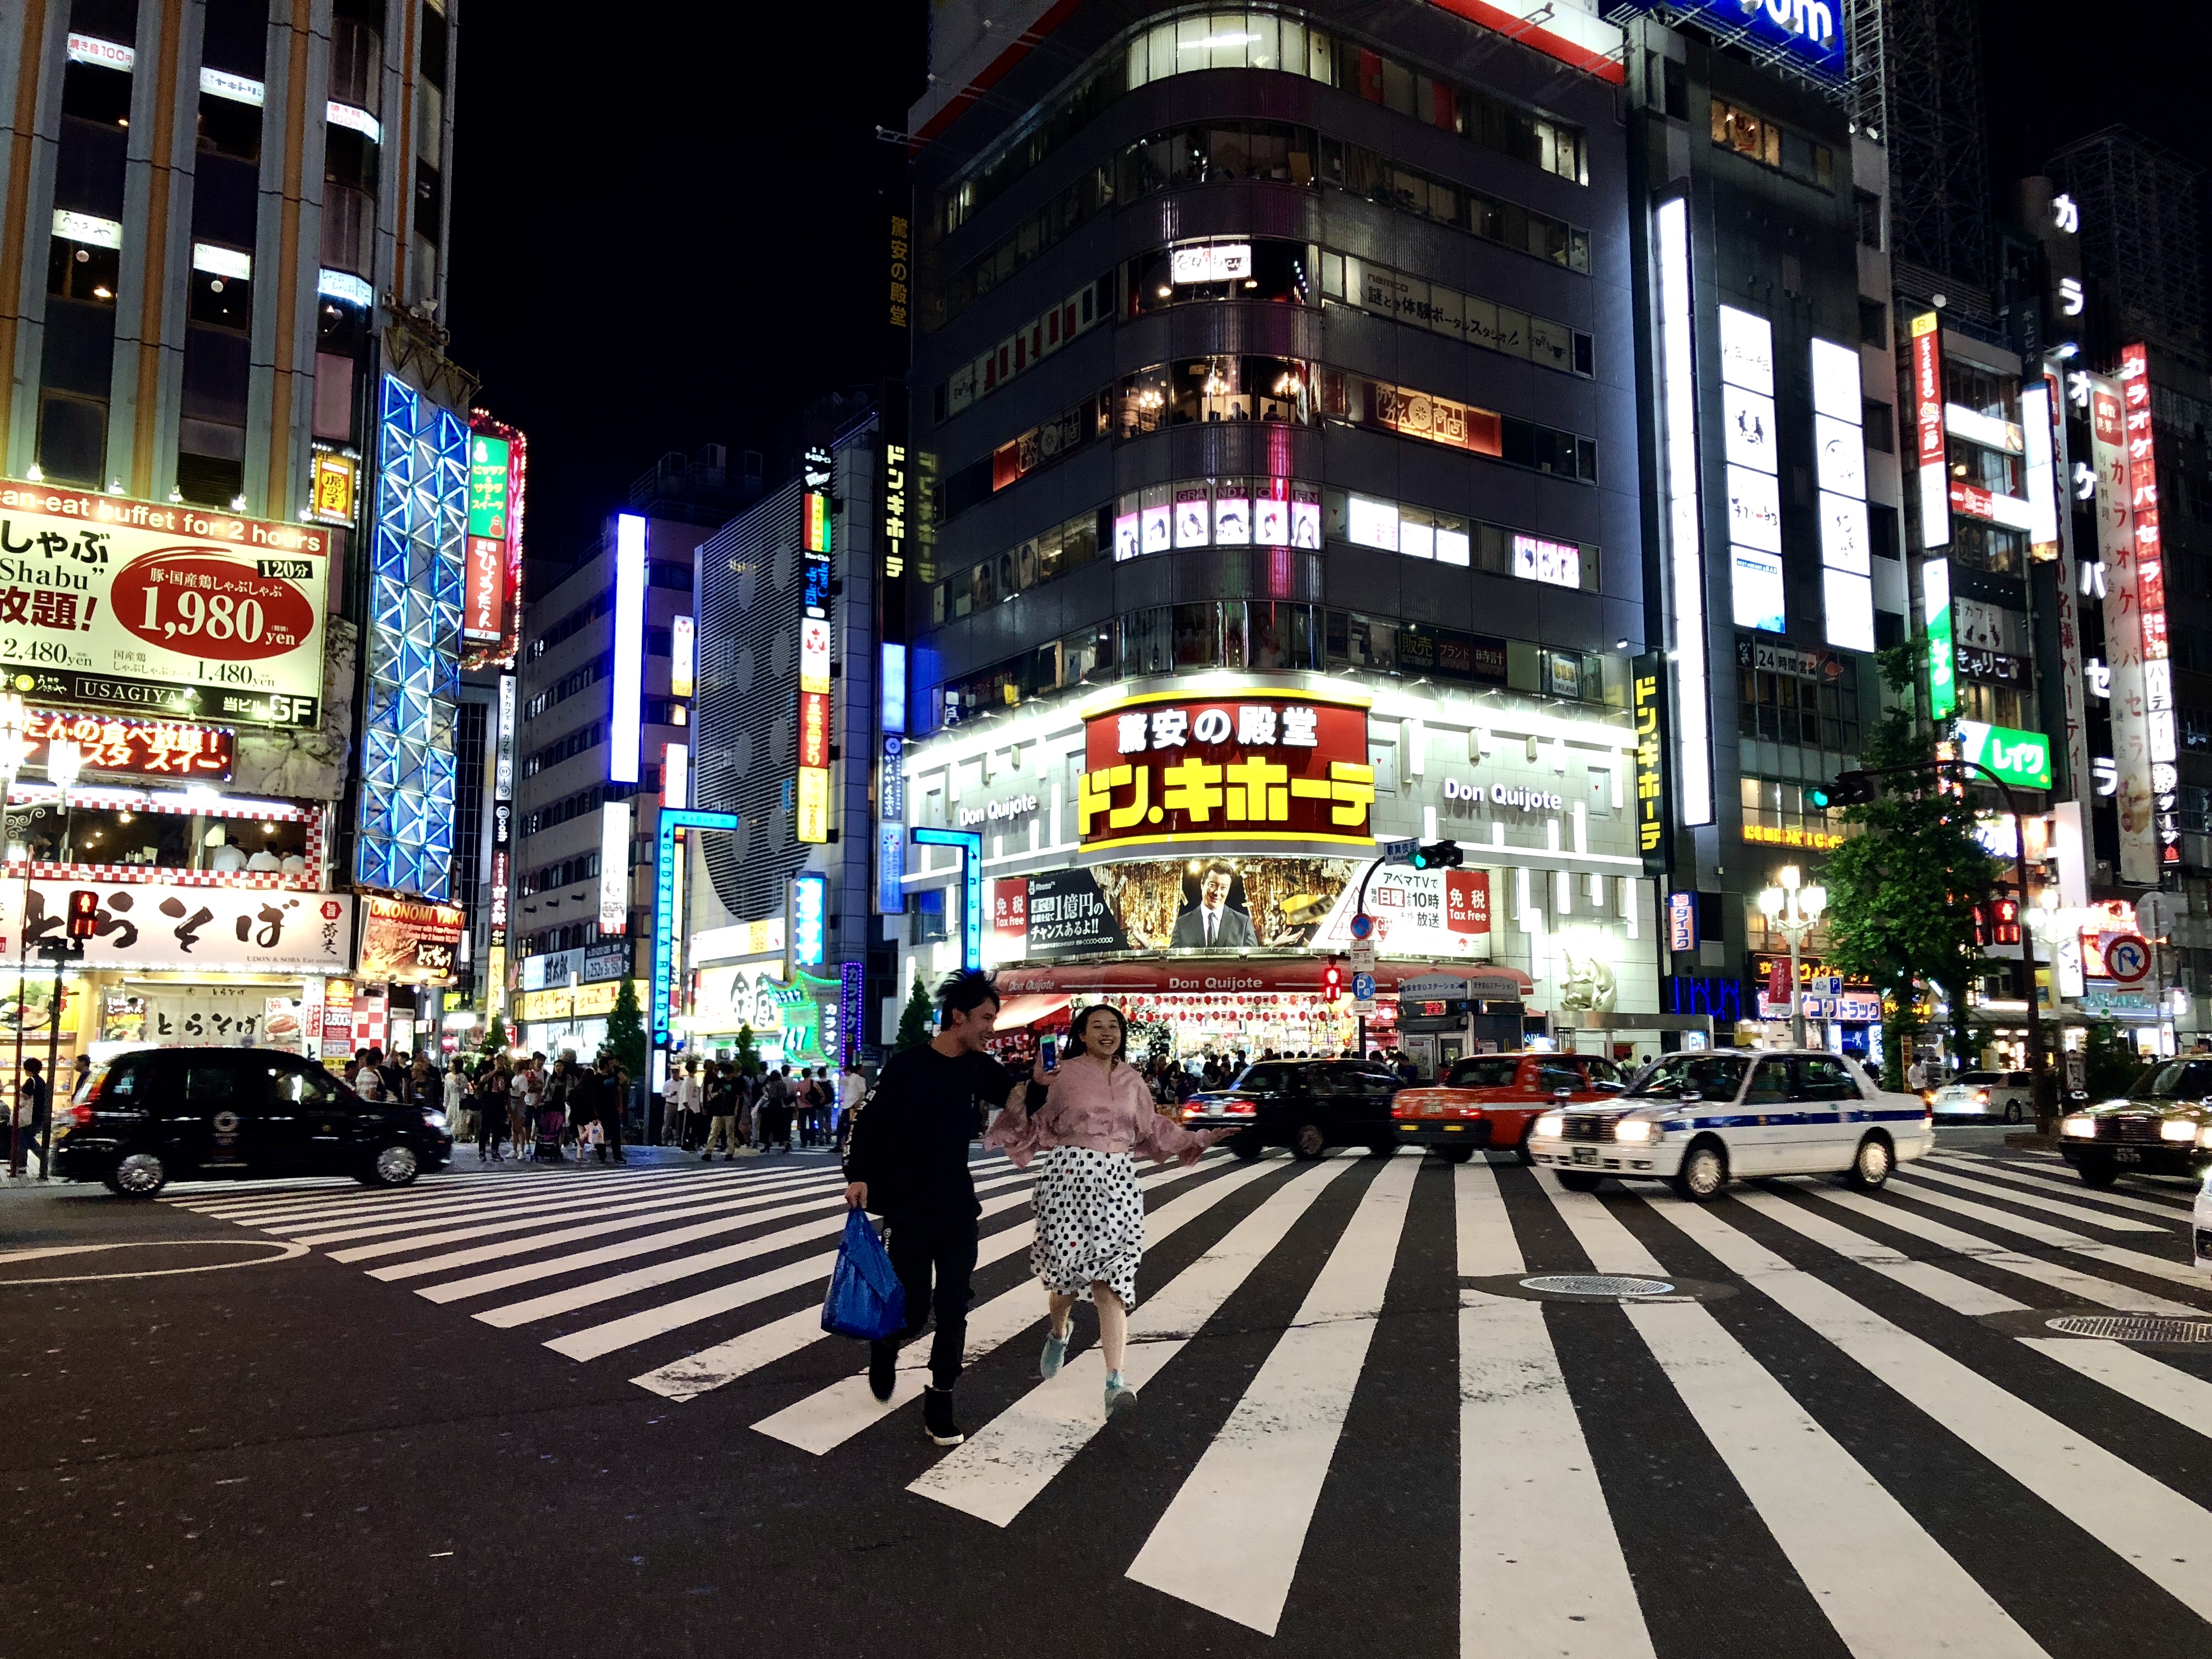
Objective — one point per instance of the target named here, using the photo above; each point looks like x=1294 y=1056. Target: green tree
x=495 y=1040
x=749 y=1059
x=913 y=1027
x=1902 y=890
x=626 y=1030
x=2109 y=1063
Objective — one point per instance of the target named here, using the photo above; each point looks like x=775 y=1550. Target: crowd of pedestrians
x=717 y=1106
x=525 y=1112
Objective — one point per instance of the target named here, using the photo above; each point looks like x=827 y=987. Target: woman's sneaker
x=1055 y=1354
x=1120 y=1396
x=937 y=1417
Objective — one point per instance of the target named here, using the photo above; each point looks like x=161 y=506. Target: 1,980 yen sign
x=166 y=611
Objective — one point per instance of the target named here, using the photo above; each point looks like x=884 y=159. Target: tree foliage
x=1902 y=890
x=626 y=1029
x=749 y=1059
x=913 y=1027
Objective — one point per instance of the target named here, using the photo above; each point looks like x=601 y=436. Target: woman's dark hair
x=1080 y=1024
x=964 y=991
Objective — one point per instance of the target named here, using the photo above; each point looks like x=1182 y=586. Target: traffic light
x=1850 y=789
x=1332 y=981
x=83 y=913
x=1438 y=855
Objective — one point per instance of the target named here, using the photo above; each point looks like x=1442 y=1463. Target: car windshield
x=1715 y=1077
x=1486 y=1074
x=2176 y=1079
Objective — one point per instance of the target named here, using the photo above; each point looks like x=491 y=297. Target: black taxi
x=2162 y=1126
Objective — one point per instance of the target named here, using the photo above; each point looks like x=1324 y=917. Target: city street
x=582 y=1411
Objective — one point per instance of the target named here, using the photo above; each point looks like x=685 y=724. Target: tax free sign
x=2016 y=757
x=1810 y=32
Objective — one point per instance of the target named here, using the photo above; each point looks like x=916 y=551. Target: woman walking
x=1097 y=1114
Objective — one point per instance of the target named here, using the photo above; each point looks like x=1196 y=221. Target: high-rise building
x=2141 y=210
x=1934 y=123
x=1274 y=405
x=602 y=733
x=221 y=227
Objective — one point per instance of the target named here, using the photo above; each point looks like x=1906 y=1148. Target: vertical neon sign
x=2150 y=603
x=626 y=708
x=813 y=805
x=1693 y=762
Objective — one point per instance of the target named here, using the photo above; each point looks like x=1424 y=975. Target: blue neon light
x=852 y=993
x=413 y=642
x=1809 y=32
x=894 y=688
x=810 y=919
x=664 y=904
x=971 y=886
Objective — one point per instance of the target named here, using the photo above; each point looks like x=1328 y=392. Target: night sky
x=668 y=234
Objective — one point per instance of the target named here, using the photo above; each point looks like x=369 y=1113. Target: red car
x=1488 y=1101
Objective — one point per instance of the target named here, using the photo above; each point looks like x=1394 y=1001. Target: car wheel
x=1245 y=1145
x=393 y=1165
x=138 y=1175
x=1871 y=1164
x=1579 y=1181
x=1308 y=1142
x=2013 y=1114
x=2097 y=1172
x=1521 y=1153
x=1704 y=1172
x=1455 y=1154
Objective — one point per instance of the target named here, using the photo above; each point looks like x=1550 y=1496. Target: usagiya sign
x=1246 y=765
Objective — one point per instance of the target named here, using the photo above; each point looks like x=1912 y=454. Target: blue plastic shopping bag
x=865 y=1297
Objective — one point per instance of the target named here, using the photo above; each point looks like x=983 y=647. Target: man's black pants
x=945 y=1250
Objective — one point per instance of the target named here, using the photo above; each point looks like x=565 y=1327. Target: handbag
x=865 y=1298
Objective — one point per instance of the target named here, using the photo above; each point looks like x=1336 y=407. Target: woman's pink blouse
x=1088 y=1106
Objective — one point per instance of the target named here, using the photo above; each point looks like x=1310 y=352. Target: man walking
x=908 y=1162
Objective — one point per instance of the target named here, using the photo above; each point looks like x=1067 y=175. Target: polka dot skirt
x=1090 y=1223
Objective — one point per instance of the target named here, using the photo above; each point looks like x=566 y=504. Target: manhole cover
x=1596 y=1284
x=2133 y=1328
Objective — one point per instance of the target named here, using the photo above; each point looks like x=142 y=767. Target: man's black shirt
x=910 y=1141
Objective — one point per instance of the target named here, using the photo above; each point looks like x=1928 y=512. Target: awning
x=1015 y=1012
x=1203 y=975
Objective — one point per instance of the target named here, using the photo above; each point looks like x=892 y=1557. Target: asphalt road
x=587 y=1412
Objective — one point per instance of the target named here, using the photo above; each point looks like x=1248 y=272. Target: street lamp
x=1795 y=909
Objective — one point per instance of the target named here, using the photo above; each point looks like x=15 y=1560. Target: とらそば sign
x=1171 y=767
x=160 y=610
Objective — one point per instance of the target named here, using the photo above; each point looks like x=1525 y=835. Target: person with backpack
x=775 y=1111
x=908 y=1162
x=721 y=1114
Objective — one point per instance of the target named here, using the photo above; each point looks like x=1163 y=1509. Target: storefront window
x=1984 y=546
x=1221 y=268
x=1985 y=469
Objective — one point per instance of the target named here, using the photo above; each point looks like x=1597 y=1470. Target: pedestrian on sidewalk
x=553 y=1111
x=33 y=1105
x=458 y=1108
x=369 y=1075
x=683 y=1098
x=775 y=1108
x=1095 y=1114
x=907 y=1163
x=721 y=1114
x=851 y=1086
x=523 y=1091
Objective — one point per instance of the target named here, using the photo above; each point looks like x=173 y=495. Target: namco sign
x=1252 y=766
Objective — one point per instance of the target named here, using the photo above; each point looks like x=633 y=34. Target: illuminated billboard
x=626 y=708
x=614 y=867
x=2150 y=604
x=815 y=714
x=1686 y=558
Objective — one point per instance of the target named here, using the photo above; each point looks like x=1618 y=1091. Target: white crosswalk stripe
x=693 y=1279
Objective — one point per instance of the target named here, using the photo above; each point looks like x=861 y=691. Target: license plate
x=1585 y=1154
x=2126 y=1155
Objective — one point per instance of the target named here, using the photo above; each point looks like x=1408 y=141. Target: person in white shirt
x=851 y=1087
x=682 y=1101
x=368 y=1080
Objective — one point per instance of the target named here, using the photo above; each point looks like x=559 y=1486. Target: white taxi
x=1699 y=1120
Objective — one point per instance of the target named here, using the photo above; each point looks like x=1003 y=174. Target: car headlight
x=2177 y=1128
x=2083 y=1127
x=2204 y=1135
x=1636 y=1129
x=1551 y=1126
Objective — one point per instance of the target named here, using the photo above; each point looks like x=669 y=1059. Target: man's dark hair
x=1218 y=868
x=964 y=991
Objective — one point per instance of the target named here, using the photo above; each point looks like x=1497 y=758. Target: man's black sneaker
x=883 y=1370
x=937 y=1417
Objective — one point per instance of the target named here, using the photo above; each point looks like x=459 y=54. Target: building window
x=1772 y=145
x=1818 y=711
x=1869 y=207
x=1874 y=324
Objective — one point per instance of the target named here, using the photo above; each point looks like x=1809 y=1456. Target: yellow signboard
x=585 y=1002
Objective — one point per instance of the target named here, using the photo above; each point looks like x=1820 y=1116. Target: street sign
x=1831 y=985
x=1366 y=1007
x=1363 y=926
x=1362 y=986
x=1362 y=957
x=2127 y=958
x=2155 y=914
x=1398 y=849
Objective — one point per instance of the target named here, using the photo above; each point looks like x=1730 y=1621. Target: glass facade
x=413 y=642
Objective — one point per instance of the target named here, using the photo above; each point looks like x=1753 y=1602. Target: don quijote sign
x=998 y=812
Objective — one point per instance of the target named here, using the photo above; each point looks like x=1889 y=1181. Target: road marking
x=2111 y=1223
x=827 y=1418
x=284 y=1253
x=570 y=1203
x=1261 y=1479
x=2172 y=1209
x=1005 y=1465
x=1961 y=1296
x=2126 y=1509
x=1541 y=1571
x=2165 y=1389
x=597 y=1339
x=623 y=1217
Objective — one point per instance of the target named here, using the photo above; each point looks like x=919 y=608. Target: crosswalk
x=1845 y=1424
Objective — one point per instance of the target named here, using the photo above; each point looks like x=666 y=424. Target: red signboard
x=1974 y=503
x=2150 y=603
x=1010 y=907
x=813 y=730
x=483 y=599
x=1253 y=766
x=154 y=748
x=1928 y=394
x=1466 y=901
